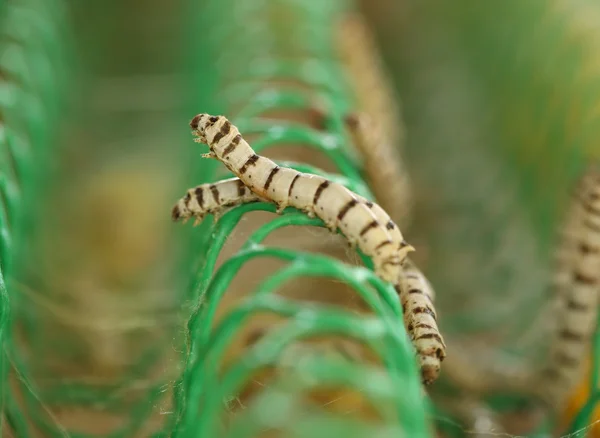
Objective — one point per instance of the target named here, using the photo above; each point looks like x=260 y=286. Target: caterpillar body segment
x=578 y=287
x=415 y=292
x=420 y=320
x=333 y=203
x=212 y=199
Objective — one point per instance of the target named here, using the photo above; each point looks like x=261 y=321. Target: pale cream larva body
x=578 y=292
x=337 y=206
x=416 y=294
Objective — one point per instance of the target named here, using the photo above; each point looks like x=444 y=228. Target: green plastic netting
x=243 y=82
x=34 y=46
x=253 y=60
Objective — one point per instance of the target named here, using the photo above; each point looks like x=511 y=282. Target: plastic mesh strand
x=34 y=71
x=535 y=66
x=247 y=75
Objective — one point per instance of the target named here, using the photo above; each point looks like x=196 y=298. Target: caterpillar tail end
x=429 y=371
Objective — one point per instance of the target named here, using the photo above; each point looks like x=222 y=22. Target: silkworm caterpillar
x=416 y=294
x=578 y=291
x=377 y=128
x=333 y=203
x=577 y=285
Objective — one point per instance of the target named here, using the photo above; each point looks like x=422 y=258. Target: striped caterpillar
x=577 y=283
x=331 y=202
x=377 y=130
x=417 y=303
x=578 y=288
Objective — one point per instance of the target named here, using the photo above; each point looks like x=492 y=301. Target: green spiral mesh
x=245 y=72
x=519 y=80
x=34 y=70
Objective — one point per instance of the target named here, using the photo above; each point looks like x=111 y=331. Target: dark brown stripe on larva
x=176 y=213
x=232 y=145
x=368 y=227
x=591 y=209
x=200 y=197
x=591 y=225
x=571 y=336
x=241 y=188
x=575 y=306
x=225 y=128
x=195 y=122
x=215 y=193
x=213 y=119
x=249 y=162
x=382 y=244
x=584 y=248
x=319 y=191
x=553 y=373
x=187 y=199
x=346 y=208
x=566 y=360
x=292 y=184
x=416 y=291
x=270 y=177
x=369 y=204
x=430 y=336
x=390 y=225
x=425 y=326
x=425 y=310
x=583 y=279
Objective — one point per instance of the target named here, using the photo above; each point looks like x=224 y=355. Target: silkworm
x=578 y=291
x=333 y=203
x=415 y=292
x=376 y=129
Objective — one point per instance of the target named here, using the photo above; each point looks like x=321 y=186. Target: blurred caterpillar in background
x=577 y=284
x=377 y=129
x=416 y=294
x=577 y=287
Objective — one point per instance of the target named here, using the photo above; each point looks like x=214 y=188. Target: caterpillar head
x=181 y=211
x=200 y=123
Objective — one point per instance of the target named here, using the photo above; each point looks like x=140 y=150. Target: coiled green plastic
x=34 y=68
x=235 y=68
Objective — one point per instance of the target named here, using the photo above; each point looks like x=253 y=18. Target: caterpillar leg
x=280 y=207
x=198 y=220
x=210 y=154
